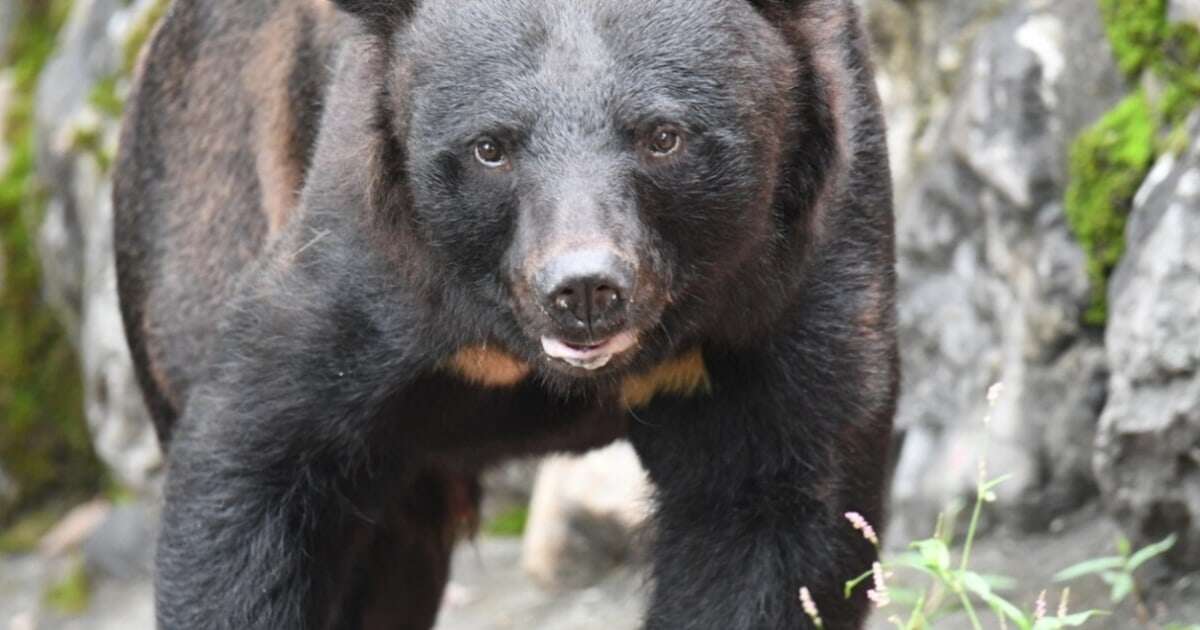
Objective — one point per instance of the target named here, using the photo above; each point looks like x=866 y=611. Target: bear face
x=585 y=168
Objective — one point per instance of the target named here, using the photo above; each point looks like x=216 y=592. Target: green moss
x=1135 y=29
x=140 y=33
x=1143 y=40
x=26 y=532
x=1108 y=163
x=72 y=594
x=508 y=524
x=44 y=442
x=1178 y=64
x=106 y=99
x=1110 y=160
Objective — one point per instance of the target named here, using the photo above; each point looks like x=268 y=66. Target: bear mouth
x=590 y=356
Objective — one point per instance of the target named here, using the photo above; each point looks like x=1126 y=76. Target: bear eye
x=664 y=141
x=489 y=153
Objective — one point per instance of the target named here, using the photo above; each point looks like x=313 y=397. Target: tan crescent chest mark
x=488 y=367
x=684 y=375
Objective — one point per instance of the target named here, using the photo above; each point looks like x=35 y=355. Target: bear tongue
x=589 y=357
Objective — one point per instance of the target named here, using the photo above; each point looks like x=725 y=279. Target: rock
x=75 y=241
x=584 y=516
x=488 y=591
x=919 y=50
x=1148 y=448
x=78 y=524
x=122 y=546
x=508 y=486
x=1184 y=11
x=8 y=488
x=992 y=280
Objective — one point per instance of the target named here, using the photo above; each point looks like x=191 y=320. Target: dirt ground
x=490 y=592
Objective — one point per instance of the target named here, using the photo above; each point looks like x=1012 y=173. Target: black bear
x=367 y=248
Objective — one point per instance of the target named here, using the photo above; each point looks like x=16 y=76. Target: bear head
x=600 y=181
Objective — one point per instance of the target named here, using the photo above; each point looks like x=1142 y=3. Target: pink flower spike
x=810 y=606
x=879 y=595
x=863 y=526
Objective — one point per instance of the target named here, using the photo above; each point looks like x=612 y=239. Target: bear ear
x=377 y=11
x=776 y=8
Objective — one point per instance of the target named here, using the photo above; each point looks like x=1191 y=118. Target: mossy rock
x=1179 y=66
x=1109 y=161
x=1135 y=29
x=44 y=442
x=1143 y=39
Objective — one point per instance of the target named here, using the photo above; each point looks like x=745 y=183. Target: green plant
x=1118 y=571
x=950 y=586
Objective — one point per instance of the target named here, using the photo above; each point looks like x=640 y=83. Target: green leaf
x=1000 y=582
x=852 y=584
x=1150 y=551
x=905 y=598
x=982 y=587
x=1089 y=567
x=1078 y=619
x=975 y=583
x=993 y=484
x=1070 y=621
x=1002 y=607
x=934 y=554
x=1122 y=584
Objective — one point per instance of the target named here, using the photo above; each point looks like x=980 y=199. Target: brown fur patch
x=265 y=79
x=488 y=367
x=681 y=376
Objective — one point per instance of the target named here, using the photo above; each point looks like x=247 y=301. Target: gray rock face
x=1148 y=457
x=1184 y=11
x=75 y=241
x=585 y=516
x=992 y=281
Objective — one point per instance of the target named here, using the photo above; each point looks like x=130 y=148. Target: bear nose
x=587 y=289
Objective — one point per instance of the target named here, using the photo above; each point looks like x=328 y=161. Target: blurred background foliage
x=45 y=448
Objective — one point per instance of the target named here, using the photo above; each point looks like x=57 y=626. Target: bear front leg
x=271 y=469
x=754 y=480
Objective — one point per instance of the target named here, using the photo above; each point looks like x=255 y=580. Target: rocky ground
x=490 y=591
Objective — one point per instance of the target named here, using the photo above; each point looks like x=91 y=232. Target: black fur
x=306 y=242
